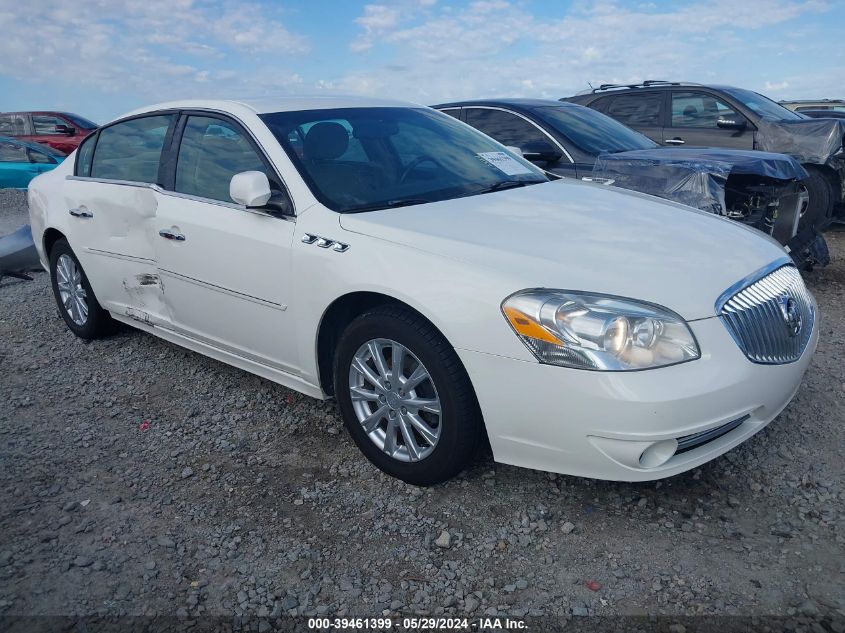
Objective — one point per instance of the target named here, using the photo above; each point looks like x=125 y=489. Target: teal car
x=20 y=162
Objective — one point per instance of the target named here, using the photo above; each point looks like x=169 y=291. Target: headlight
x=599 y=332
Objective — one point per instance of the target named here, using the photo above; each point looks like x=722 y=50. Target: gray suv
x=686 y=114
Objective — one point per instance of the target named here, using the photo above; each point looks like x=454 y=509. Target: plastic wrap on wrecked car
x=693 y=177
x=813 y=141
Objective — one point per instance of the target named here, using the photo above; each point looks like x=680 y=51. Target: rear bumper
x=598 y=424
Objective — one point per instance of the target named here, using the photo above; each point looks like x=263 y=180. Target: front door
x=693 y=122
x=112 y=205
x=225 y=269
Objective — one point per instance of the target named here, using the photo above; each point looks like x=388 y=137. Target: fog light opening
x=658 y=453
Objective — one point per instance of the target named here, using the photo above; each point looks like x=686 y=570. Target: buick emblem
x=791 y=315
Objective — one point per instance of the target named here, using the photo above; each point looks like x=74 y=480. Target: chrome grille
x=771 y=317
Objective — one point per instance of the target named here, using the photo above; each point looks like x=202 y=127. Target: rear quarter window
x=84 y=155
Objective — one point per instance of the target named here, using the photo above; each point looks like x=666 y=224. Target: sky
x=100 y=58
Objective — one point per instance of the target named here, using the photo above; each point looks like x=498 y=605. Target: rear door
x=693 y=121
x=640 y=109
x=112 y=200
x=226 y=269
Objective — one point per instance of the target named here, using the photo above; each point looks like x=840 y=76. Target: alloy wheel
x=71 y=291
x=395 y=400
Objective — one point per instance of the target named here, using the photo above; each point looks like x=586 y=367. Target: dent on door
x=116 y=234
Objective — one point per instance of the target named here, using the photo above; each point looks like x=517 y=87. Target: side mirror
x=541 y=151
x=65 y=129
x=250 y=188
x=731 y=123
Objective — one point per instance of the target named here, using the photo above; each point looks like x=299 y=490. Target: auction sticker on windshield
x=504 y=163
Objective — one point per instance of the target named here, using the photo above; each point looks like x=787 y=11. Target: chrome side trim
x=128 y=258
x=525 y=118
x=226 y=291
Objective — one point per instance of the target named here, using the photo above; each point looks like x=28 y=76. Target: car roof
x=515 y=103
x=276 y=104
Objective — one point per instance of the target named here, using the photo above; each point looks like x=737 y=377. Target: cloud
x=154 y=47
x=498 y=47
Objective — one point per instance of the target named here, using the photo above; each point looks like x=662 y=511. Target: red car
x=60 y=130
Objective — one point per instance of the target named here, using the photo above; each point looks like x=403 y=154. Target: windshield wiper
x=507 y=184
x=389 y=204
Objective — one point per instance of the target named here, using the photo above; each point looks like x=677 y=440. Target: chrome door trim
x=177 y=194
x=525 y=118
x=226 y=291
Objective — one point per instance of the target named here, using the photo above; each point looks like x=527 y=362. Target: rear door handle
x=170 y=235
x=674 y=141
x=80 y=212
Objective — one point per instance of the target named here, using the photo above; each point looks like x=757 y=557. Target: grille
x=772 y=318
x=689 y=442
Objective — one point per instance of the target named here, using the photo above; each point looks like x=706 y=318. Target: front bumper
x=597 y=424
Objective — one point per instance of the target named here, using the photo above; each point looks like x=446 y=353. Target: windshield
x=79 y=121
x=763 y=106
x=592 y=131
x=362 y=159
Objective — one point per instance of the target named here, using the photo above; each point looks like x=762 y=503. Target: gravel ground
x=140 y=478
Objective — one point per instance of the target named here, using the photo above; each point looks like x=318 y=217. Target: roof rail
x=646 y=84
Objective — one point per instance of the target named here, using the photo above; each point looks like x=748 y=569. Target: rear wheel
x=74 y=296
x=405 y=397
x=822 y=199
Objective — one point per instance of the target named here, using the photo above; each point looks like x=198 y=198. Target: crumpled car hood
x=580 y=236
x=720 y=161
x=816 y=141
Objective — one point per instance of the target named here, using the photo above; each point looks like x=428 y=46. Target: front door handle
x=80 y=212
x=674 y=141
x=170 y=235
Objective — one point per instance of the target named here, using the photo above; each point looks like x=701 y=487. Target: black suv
x=674 y=113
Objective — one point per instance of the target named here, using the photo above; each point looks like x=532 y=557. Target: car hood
x=580 y=236
x=721 y=161
x=816 y=141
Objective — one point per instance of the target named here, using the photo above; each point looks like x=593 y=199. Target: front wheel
x=405 y=397
x=822 y=199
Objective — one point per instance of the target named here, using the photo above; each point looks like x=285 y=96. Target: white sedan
x=437 y=285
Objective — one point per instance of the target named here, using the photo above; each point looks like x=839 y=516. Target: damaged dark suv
x=760 y=189
x=674 y=113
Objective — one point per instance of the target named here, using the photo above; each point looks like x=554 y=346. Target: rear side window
x=508 y=129
x=12 y=125
x=211 y=152
x=84 y=155
x=12 y=153
x=637 y=109
x=131 y=150
x=452 y=112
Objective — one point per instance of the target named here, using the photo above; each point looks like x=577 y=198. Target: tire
x=96 y=323
x=458 y=426
x=822 y=199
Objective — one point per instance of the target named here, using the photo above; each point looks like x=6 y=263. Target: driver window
x=44 y=125
x=211 y=152
x=698 y=110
